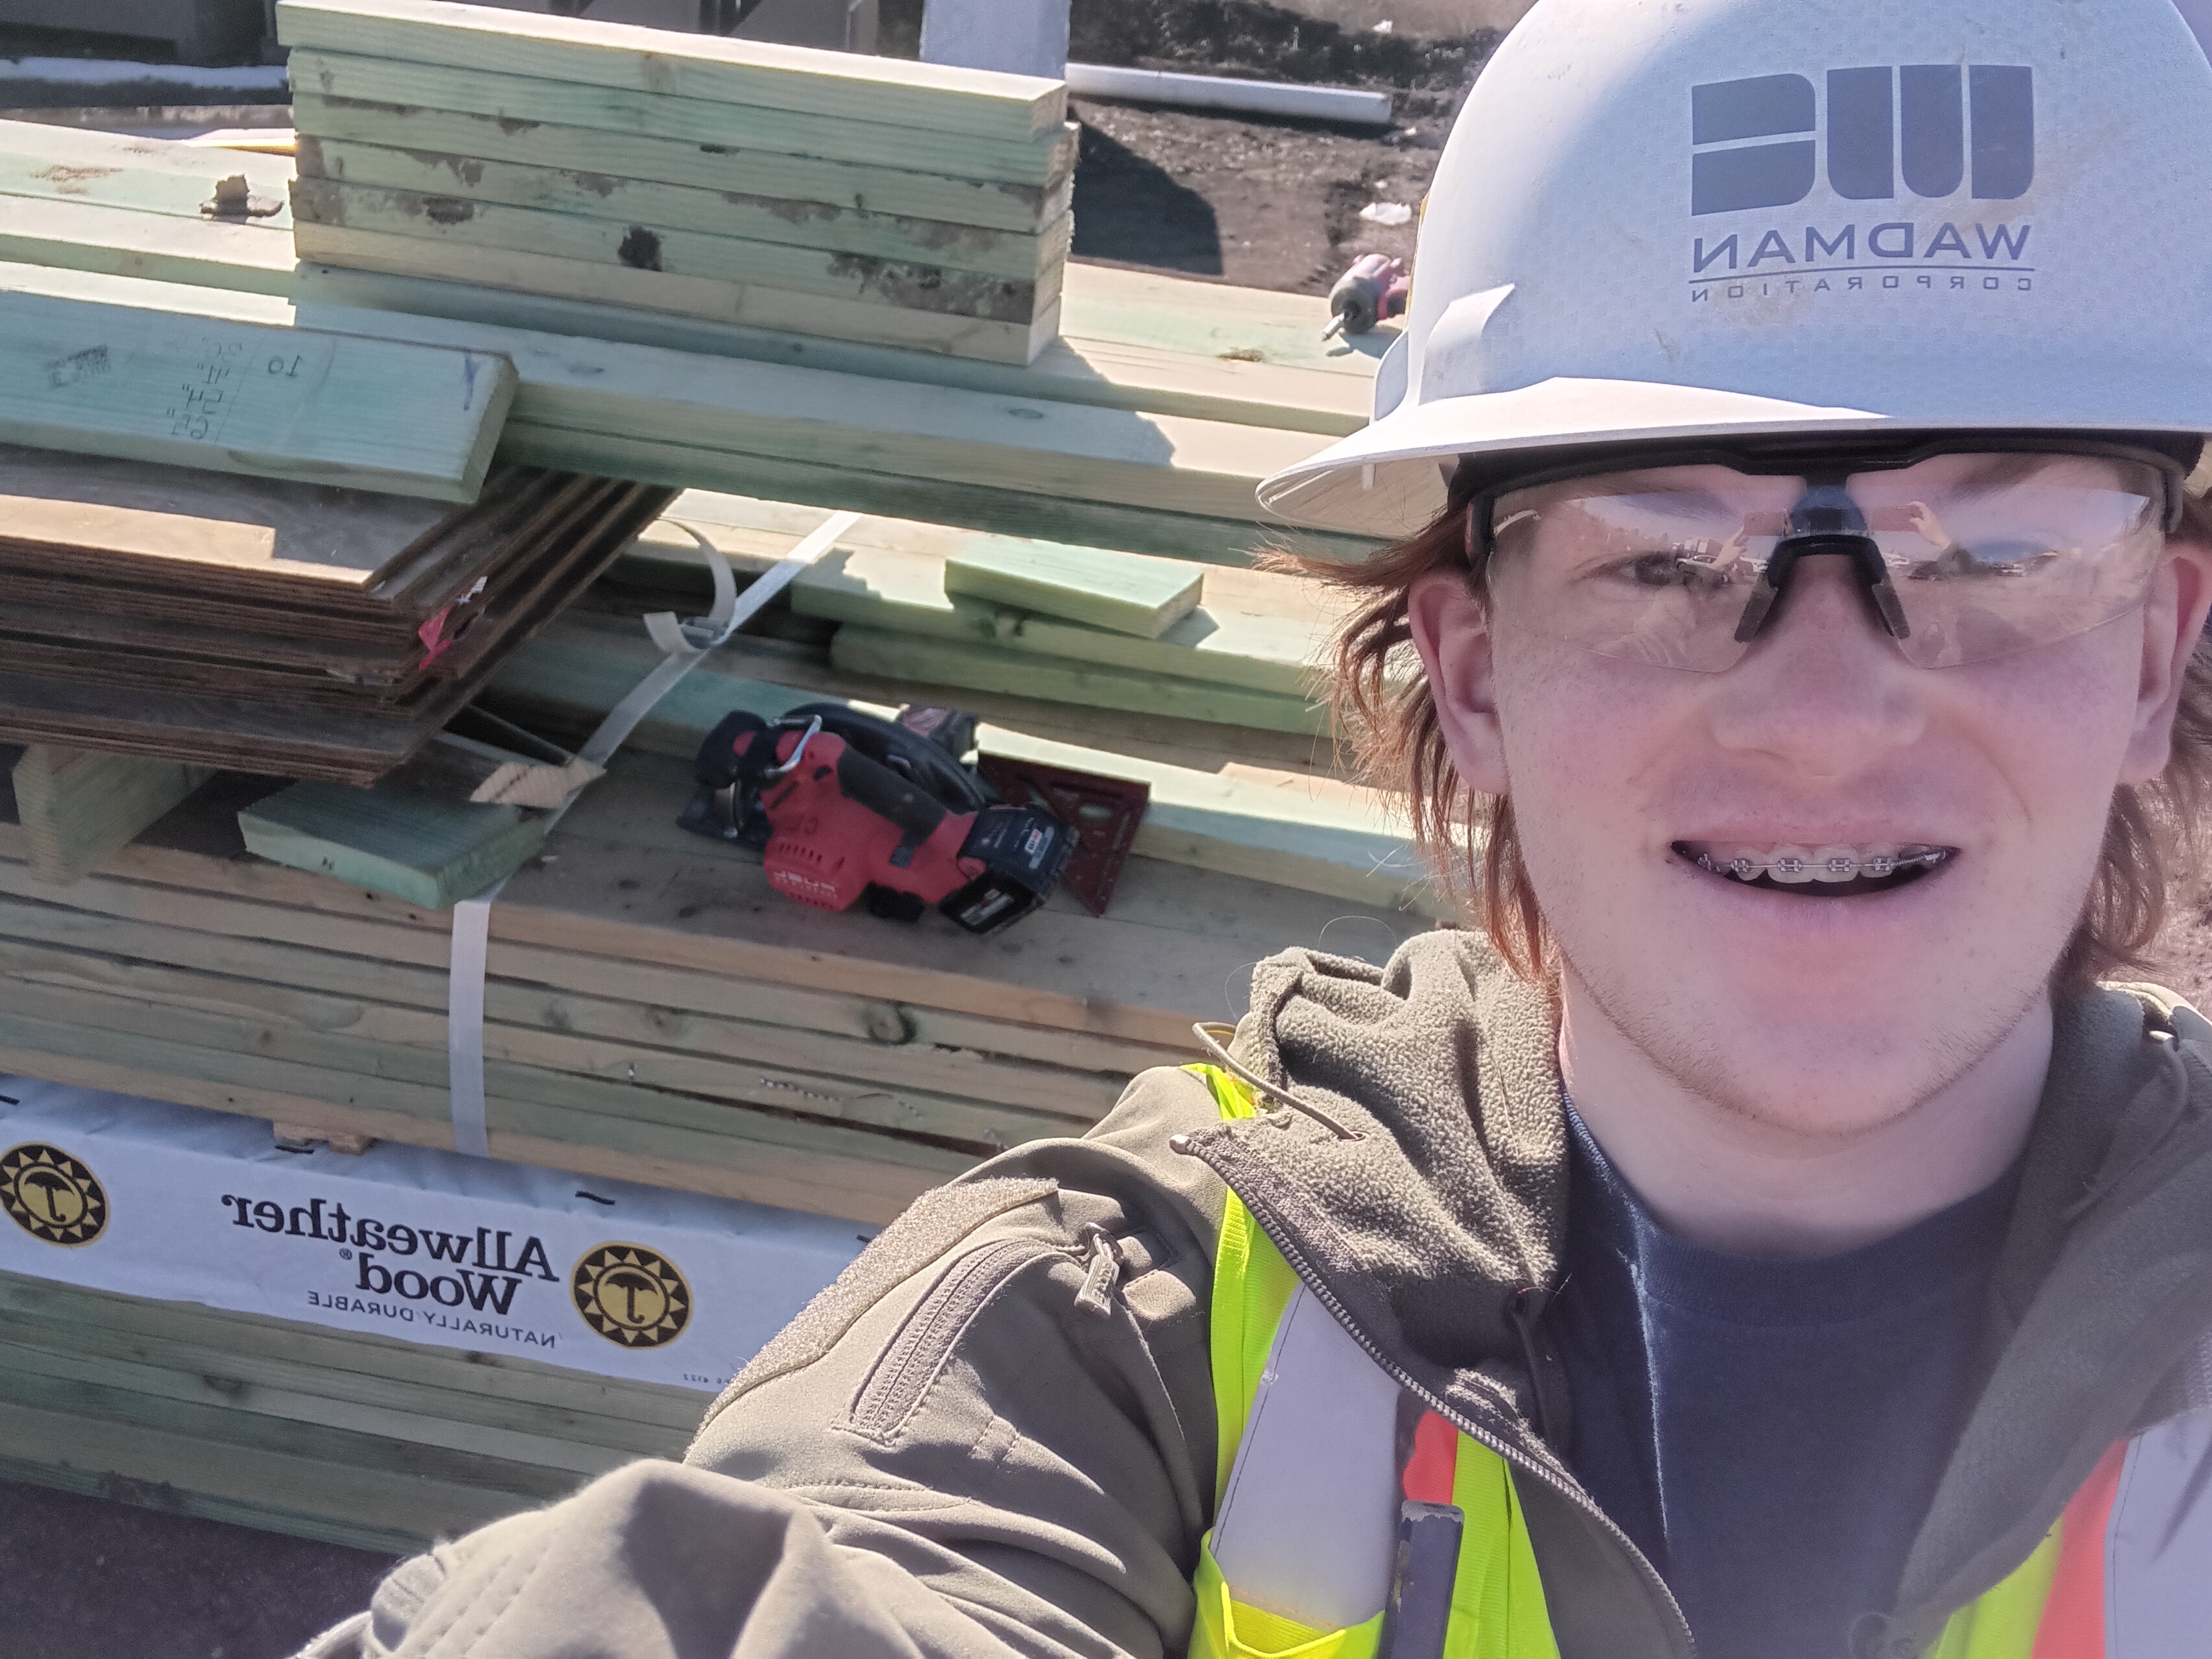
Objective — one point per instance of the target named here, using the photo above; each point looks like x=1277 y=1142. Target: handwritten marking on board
x=77 y=366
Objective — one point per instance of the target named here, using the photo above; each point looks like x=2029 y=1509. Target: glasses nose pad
x=1867 y=564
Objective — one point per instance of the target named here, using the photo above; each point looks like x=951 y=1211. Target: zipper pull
x=1104 y=1274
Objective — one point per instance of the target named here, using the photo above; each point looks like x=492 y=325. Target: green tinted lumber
x=228 y=265
x=1034 y=467
x=1043 y=160
x=93 y=240
x=1290 y=831
x=187 y=1474
x=891 y=234
x=268 y=1069
x=78 y=805
x=369 y=1490
x=653 y=1048
x=801 y=80
x=982 y=668
x=466 y=221
x=582 y=1407
x=904 y=592
x=326 y=409
x=325 y=124
x=169 y=1375
x=1124 y=593
x=1106 y=373
x=426 y=850
x=76 y=164
x=713 y=297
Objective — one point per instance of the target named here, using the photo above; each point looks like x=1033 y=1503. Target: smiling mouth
x=1834 y=871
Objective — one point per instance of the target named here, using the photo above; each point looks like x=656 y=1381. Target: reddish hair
x=2153 y=837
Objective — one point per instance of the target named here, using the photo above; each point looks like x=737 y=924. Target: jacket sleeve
x=992 y=1436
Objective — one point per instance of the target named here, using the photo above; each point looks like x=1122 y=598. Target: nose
x=1823 y=688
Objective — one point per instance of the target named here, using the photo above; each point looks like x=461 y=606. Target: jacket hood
x=1427 y=1183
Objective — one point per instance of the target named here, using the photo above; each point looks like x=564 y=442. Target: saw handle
x=885 y=793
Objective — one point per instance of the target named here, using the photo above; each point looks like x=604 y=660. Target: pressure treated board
x=1107 y=374
x=234 y=398
x=1202 y=506
x=1121 y=592
x=1042 y=160
x=328 y=124
x=1239 y=382
x=123 y=174
x=102 y=935
x=581 y=1407
x=76 y=806
x=677 y=292
x=940 y=662
x=427 y=851
x=904 y=592
x=464 y=221
x=89 y=238
x=965 y=1095
x=801 y=80
x=1249 y=821
x=892 y=231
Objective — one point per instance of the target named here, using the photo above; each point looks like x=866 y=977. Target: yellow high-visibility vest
x=1298 y=1563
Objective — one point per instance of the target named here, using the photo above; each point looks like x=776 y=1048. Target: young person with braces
x=1765 y=1231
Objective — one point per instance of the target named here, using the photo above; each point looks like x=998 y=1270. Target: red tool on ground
x=844 y=806
x=1375 y=290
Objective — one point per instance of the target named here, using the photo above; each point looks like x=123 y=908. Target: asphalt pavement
x=94 y=1578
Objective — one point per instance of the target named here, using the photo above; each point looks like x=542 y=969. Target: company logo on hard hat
x=50 y=1195
x=1927 y=131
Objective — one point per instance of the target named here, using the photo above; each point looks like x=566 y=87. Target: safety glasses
x=1961 y=556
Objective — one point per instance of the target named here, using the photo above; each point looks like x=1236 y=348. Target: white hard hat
x=1669 y=219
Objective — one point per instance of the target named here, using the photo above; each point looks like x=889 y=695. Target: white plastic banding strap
x=684 y=644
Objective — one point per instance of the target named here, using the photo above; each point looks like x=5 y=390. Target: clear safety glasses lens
x=1962 y=558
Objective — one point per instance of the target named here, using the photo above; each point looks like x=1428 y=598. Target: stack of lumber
x=1261 y=799
x=654 y=1012
x=368 y=1440
x=301 y=629
x=865 y=198
x=1146 y=426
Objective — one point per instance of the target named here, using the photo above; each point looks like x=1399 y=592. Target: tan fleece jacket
x=993 y=1435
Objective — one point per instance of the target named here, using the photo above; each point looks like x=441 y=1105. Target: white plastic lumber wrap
x=181 y=1205
x=684 y=644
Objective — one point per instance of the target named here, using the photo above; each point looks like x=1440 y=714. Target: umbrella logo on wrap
x=51 y=1196
x=631 y=1296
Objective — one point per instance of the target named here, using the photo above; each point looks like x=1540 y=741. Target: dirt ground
x=1262 y=204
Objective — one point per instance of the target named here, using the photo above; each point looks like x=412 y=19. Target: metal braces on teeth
x=1838 y=868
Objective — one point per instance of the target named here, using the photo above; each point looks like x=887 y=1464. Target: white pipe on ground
x=1344 y=104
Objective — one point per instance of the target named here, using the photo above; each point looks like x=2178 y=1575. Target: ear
x=2173 y=623
x=1451 y=632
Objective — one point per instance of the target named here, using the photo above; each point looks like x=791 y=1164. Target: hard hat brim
x=1390 y=479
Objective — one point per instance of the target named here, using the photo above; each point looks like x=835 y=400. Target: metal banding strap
x=682 y=643
x=1308 y=1524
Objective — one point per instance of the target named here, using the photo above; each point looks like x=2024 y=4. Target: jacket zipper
x=890 y=1395
x=1302 y=1266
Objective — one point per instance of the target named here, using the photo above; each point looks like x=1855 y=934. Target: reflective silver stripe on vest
x=2158 y=1549
x=1309 y=1523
